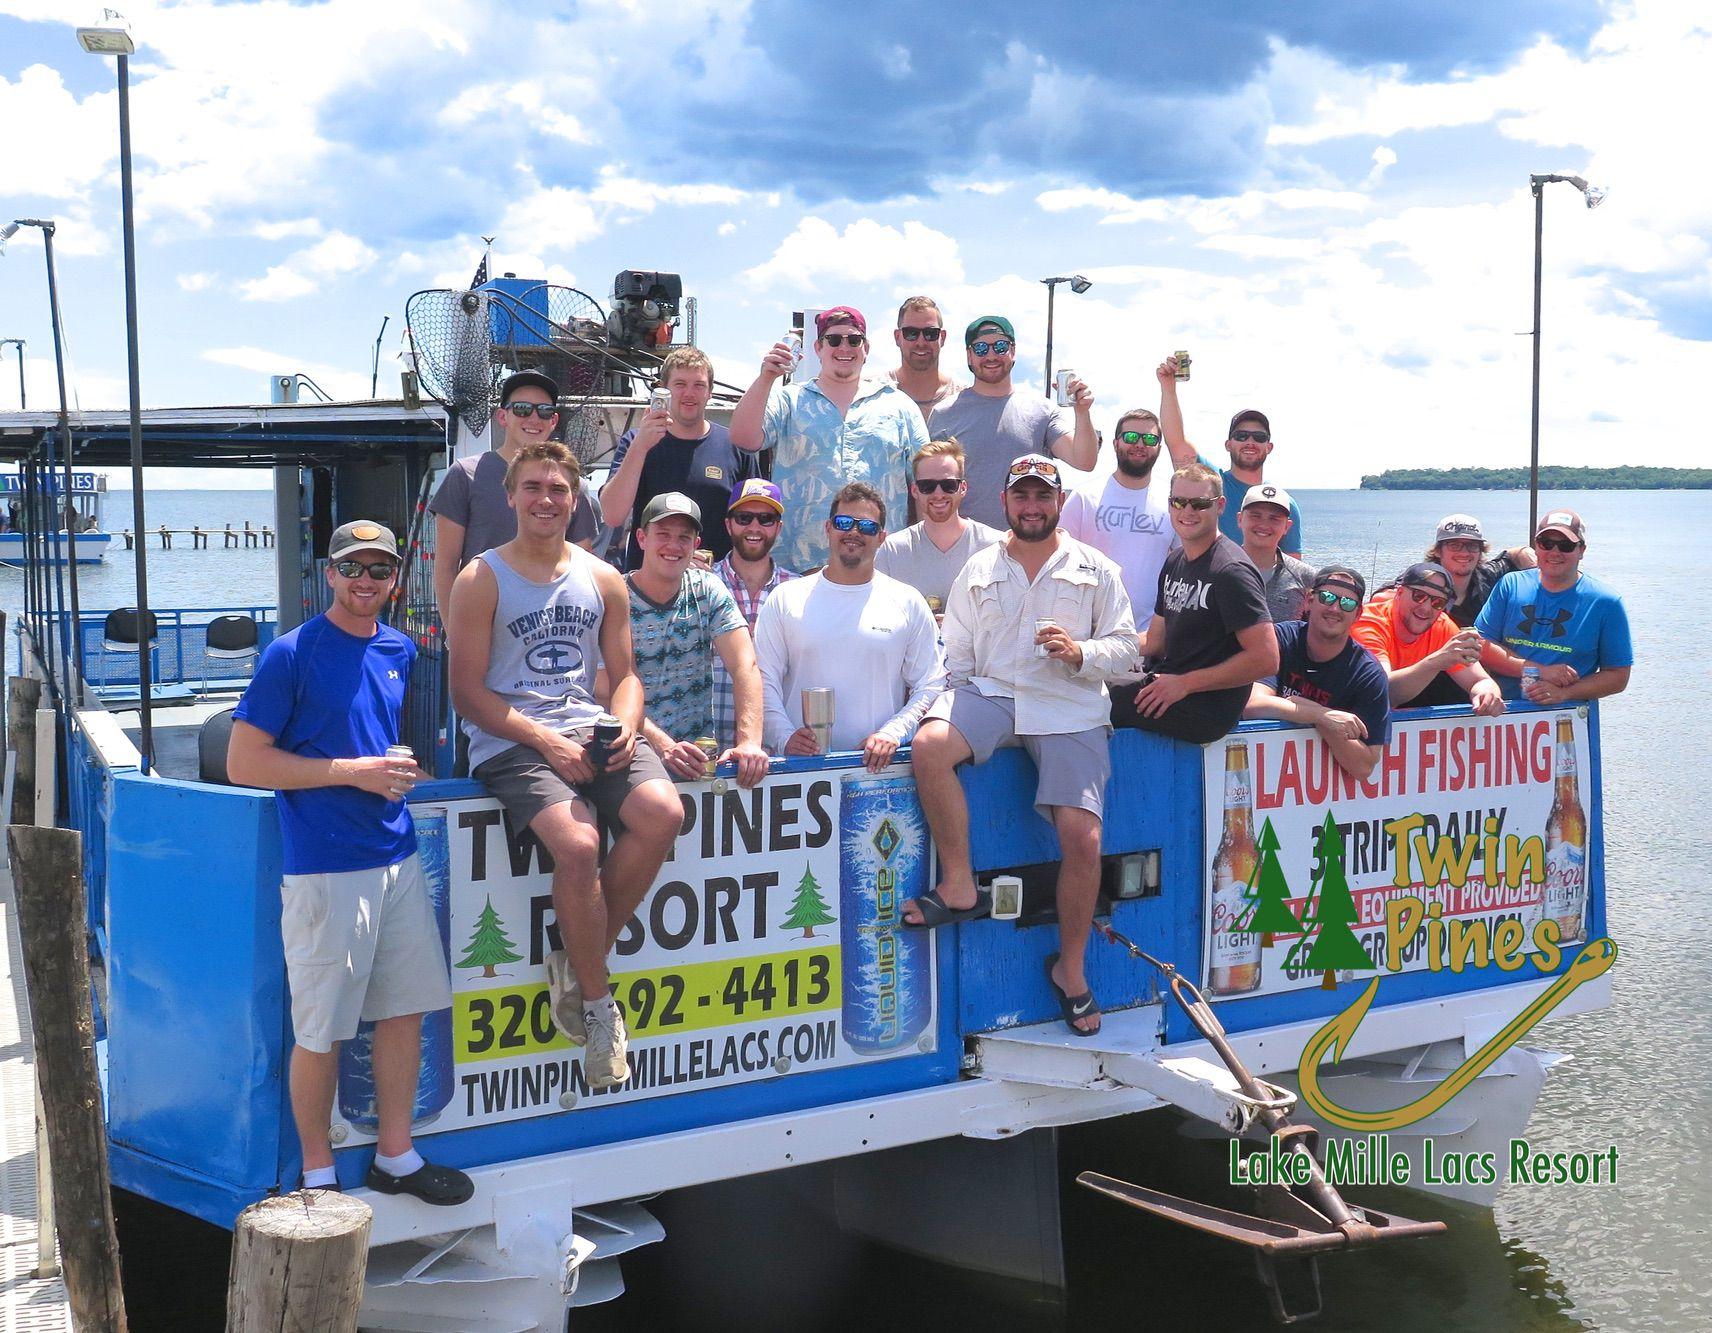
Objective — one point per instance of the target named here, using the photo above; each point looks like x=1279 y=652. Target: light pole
x=113 y=37
x=23 y=402
x=1078 y=284
x=74 y=648
x=1594 y=196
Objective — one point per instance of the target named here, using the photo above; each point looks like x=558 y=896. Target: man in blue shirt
x=1566 y=623
x=360 y=937
x=1326 y=680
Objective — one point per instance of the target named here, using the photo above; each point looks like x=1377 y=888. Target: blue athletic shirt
x=1585 y=625
x=1352 y=682
x=321 y=692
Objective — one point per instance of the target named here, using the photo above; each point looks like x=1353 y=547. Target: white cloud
x=338 y=382
x=196 y=282
x=281 y=230
x=335 y=255
x=527 y=97
x=726 y=228
x=816 y=254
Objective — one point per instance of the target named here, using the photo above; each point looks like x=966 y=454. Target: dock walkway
x=28 y=1304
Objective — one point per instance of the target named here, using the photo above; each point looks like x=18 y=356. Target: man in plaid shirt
x=752 y=521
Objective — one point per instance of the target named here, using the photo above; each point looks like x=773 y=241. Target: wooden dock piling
x=298 y=1262
x=22 y=696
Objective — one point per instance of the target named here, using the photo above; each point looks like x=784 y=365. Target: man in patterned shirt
x=752 y=519
x=680 y=616
x=839 y=427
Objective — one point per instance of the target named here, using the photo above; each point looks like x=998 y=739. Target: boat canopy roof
x=258 y=435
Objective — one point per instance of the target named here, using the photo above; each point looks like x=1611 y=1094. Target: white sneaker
x=565 y=997
x=604 y=1063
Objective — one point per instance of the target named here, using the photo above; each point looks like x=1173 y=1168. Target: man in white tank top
x=532 y=621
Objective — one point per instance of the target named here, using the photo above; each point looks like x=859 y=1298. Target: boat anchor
x=1301 y=1222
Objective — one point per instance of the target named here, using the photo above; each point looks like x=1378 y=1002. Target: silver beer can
x=1061 y=387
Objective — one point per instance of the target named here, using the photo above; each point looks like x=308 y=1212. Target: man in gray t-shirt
x=931 y=554
x=997 y=424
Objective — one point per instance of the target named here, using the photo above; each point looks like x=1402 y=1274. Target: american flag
x=481 y=273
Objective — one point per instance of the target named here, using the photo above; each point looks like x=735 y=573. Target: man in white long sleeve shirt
x=1034 y=628
x=870 y=639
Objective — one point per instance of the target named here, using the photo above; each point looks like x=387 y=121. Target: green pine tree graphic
x=1269 y=892
x=488 y=944
x=1331 y=913
x=808 y=908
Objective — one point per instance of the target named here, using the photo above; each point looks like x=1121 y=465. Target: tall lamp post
x=71 y=638
x=23 y=402
x=113 y=38
x=1594 y=196
x=1078 y=284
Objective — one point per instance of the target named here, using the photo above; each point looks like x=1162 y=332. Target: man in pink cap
x=841 y=426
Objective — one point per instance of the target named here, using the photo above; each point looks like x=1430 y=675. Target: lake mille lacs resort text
x=1372 y=1161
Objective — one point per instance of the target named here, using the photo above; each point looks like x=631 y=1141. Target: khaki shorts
x=526 y=784
x=360 y=944
x=1073 y=766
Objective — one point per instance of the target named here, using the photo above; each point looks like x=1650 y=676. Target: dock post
x=47 y=871
x=23 y=694
x=298 y=1262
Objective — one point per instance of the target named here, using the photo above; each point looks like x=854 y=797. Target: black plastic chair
x=124 y=631
x=211 y=743
x=230 y=639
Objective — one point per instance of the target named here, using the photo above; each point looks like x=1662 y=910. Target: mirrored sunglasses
x=379 y=570
x=526 y=410
x=1326 y=597
x=999 y=346
x=847 y=522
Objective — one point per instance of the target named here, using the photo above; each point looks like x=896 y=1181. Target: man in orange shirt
x=1427 y=659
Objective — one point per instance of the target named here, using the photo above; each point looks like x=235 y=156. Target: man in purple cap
x=752 y=518
x=1249 y=443
x=1568 y=624
x=839 y=427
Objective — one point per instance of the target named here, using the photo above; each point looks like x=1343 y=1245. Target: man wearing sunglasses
x=1460 y=547
x=1127 y=516
x=1248 y=441
x=866 y=637
x=929 y=555
x=838 y=427
x=920 y=336
x=998 y=423
x=1327 y=681
x=752 y=518
x=1210 y=637
x=315 y=725
x=1571 y=626
x=1428 y=658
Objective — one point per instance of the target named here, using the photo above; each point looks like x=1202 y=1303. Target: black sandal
x=1073 y=1007
x=936 y=912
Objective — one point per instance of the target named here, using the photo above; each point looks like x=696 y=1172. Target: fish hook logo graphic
x=1594 y=960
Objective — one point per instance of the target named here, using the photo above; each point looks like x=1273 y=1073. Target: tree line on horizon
x=1552 y=478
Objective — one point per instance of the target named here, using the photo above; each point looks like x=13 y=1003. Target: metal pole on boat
x=75 y=629
x=23 y=400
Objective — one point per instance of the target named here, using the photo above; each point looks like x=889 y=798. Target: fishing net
x=452 y=337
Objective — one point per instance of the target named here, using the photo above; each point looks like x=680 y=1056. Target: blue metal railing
x=180 y=651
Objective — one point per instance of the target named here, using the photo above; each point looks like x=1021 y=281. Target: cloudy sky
x=1326 y=204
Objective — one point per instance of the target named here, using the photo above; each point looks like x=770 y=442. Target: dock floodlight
x=110 y=37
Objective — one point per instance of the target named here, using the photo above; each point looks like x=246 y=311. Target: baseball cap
x=361 y=535
x=839 y=314
x=998 y=322
x=757 y=491
x=1266 y=494
x=1034 y=465
x=1250 y=415
x=522 y=379
x=1566 y=521
x=1425 y=574
x=1459 y=528
x=1342 y=574
x=670 y=503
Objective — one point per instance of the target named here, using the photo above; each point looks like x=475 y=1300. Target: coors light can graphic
x=356 y=1057
x=1234 y=955
x=883 y=862
x=1566 y=844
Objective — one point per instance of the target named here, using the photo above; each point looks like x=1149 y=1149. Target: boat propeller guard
x=1300 y=1222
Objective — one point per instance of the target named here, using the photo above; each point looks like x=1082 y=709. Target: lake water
x=1629 y=1257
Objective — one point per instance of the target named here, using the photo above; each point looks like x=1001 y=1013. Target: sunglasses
x=848 y=523
x=1436 y=600
x=943 y=485
x=1198 y=502
x=379 y=570
x=1258 y=436
x=1326 y=597
x=980 y=347
x=922 y=335
x=1556 y=544
x=749 y=516
x=1146 y=437
x=526 y=410
x=839 y=339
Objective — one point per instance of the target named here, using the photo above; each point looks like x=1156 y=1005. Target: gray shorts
x=526 y=784
x=360 y=944
x=1073 y=766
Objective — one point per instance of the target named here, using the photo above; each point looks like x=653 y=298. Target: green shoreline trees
x=1551 y=478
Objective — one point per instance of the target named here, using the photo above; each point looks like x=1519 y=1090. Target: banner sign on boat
x=12 y=483
x=770 y=945
x=1467 y=837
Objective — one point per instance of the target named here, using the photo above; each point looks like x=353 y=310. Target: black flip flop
x=935 y=912
x=438 y=1185
x=1073 y=1007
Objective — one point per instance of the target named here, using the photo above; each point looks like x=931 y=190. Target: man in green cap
x=996 y=424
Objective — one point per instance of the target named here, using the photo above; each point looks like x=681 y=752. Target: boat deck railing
x=180 y=655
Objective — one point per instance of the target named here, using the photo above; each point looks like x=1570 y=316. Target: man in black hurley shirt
x=1326 y=680
x=677 y=450
x=1211 y=636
